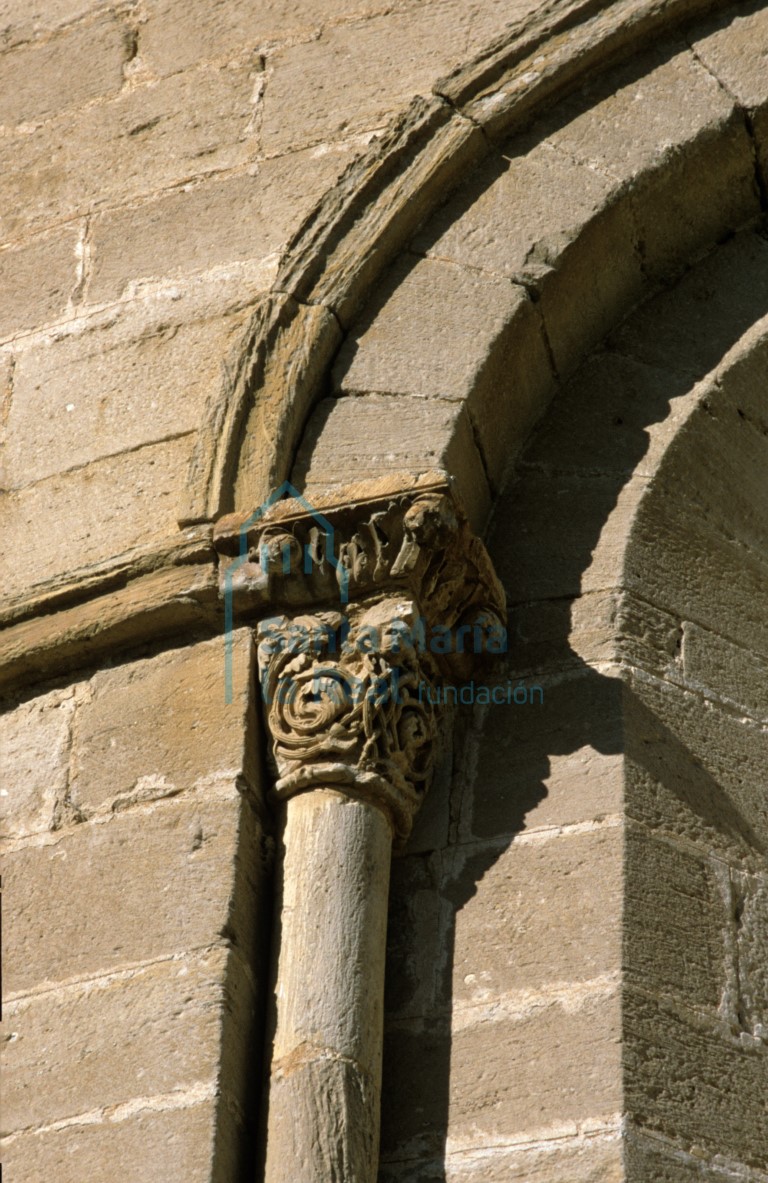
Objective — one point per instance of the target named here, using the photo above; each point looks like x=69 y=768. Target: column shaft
x=325 y=1082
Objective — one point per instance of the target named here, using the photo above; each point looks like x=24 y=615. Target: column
x=388 y=593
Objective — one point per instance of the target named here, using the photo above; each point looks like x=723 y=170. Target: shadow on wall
x=521 y=769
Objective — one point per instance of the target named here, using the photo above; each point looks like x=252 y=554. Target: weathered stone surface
x=721 y=455
x=548 y=637
x=382 y=199
x=555 y=764
x=145 y=1034
x=427 y=304
x=498 y=1085
x=217 y=223
x=509 y=939
x=83 y=902
x=682 y=953
x=147 y=139
x=83 y=398
x=527 y=203
x=125 y=752
x=69 y=531
x=21 y=20
x=664 y=127
x=43 y=79
x=322 y=1114
x=325 y=1070
x=713 y=664
x=160 y=604
x=590 y=1158
x=37 y=280
x=262 y=431
x=649 y=1156
x=440 y=331
x=615 y=415
x=692 y=326
x=551 y=1068
x=734 y=47
x=695 y=566
x=538 y=216
x=695 y=770
x=599 y=274
x=383 y=62
x=573 y=758
x=545 y=561
x=688 y=1081
x=649 y=637
x=34 y=762
x=379 y=434
x=751 y=923
x=173 y=38
x=344 y=908
x=702 y=197
x=743 y=374
x=173 y=1142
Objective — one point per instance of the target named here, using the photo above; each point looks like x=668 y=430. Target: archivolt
x=332 y=266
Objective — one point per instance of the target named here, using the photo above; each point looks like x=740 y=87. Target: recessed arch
x=582 y=912
x=331 y=267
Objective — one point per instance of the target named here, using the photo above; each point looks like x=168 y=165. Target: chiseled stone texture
x=655 y=122
x=510 y=940
x=83 y=398
x=690 y=1081
x=125 y=752
x=437 y=330
x=172 y=1141
x=35 y=743
x=379 y=434
x=82 y=892
x=44 y=78
x=174 y=38
x=593 y=1157
x=80 y=1049
x=243 y=216
x=649 y=1156
x=81 y=517
x=37 y=280
x=383 y=61
x=498 y=1086
x=143 y=140
x=84 y=899
x=22 y=20
x=135 y=969
x=537 y=216
x=736 y=52
x=682 y=893
x=171 y=147
x=716 y=302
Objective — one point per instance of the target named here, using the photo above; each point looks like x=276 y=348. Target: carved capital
x=381 y=592
x=348 y=702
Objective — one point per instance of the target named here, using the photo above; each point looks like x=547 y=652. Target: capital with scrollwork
x=382 y=592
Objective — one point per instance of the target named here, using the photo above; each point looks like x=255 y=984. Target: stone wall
x=156 y=158
x=575 y=983
x=137 y=893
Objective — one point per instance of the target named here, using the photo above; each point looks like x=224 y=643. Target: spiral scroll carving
x=342 y=711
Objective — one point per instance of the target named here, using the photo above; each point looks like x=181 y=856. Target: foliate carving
x=348 y=703
x=415 y=541
x=381 y=591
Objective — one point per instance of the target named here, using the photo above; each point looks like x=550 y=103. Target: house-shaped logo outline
x=286 y=488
